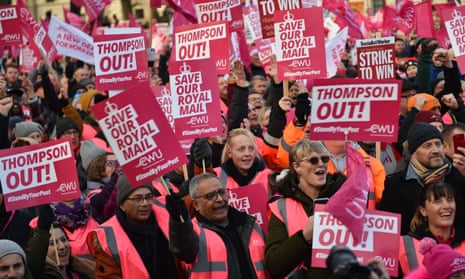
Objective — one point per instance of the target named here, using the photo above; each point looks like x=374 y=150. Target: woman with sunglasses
x=241 y=163
x=290 y=226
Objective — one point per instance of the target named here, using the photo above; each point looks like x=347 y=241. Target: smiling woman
x=433 y=218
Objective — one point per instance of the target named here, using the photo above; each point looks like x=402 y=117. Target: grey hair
x=195 y=182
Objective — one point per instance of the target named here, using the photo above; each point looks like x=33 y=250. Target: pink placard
x=376 y=58
x=252 y=200
x=300 y=44
x=252 y=21
x=10 y=31
x=267 y=9
x=203 y=41
x=341 y=106
x=139 y=134
x=195 y=99
x=265 y=51
x=120 y=61
x=454 y=20
x=38 y=174
x=380 y=238
x=29 y=58
x=220 y=10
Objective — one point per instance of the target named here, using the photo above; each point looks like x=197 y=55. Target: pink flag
x=406 y=17
x=184 y=12
x=346 y=15
x=73 y=19
x=424 y=24
x=389 y=23
x=94 y=7
x=348 y=205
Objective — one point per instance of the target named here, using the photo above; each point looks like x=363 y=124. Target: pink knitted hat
x=440 y=260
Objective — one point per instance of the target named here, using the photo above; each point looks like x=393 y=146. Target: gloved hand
x=201 y=150
x=302 y=108
x=176 y=206
x=46 y=217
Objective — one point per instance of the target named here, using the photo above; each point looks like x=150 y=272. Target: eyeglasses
x=140 y=199
x=110 y=163
x=316 y=159
x=211 y=196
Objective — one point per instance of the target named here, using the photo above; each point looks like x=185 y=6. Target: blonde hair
x=232 y=134
x=262 y=114
x=303 y=148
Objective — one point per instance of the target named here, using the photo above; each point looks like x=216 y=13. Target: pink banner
x=345 y=14
x=380 y=238
x=376 y=58
x=220 y=10
x=195 y=99
x=300 y=44
x=267 y=9
x=347 y=106
x=120 y=61
x=10 y=31
x=139 y=134
x=252 y=200
x=38 y=174
x=202 y=41
x=454 y=20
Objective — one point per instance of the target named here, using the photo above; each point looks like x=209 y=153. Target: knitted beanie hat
x=440 y=260
x=419 y=133
x=125 y=189
x=8 y=247
x=428 y=116
x=431 y=102
x=86 y=99
x=25 y=128
x=64 y=124
x=89 y=151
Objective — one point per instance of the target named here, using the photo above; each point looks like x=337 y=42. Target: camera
x=343 y=263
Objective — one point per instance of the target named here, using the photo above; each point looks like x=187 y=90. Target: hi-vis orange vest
x=116 y=243
x=230 y=183
x=212 y=259
x=294 y=217
x=409 y=256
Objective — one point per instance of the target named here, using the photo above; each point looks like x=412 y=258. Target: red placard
x=352 y=107
x=38 y=174
x=380 y=238
x=203 y=41
x=10 y=31
x=267 y=8
x=265 y=51
x=120 y=61
x=29 y=58
x=220 y=10
x=300 y=44
x=252 y=200
x=195 y=99
x=376 y=58
x=454 y=20
x=139 y=134
x=252 y=21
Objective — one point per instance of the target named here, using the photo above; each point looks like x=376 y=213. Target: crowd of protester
x=118 y=230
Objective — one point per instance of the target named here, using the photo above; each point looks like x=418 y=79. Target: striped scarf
x=429 y=175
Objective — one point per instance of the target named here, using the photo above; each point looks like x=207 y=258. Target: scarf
x=429 y=175
x=71 y=217
x=151 y=245
x=241 y=179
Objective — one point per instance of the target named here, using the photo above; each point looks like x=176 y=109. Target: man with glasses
x=133 y=243
x=220 y=241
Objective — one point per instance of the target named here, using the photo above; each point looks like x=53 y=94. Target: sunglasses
x=316 y=159
x=211 y=196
